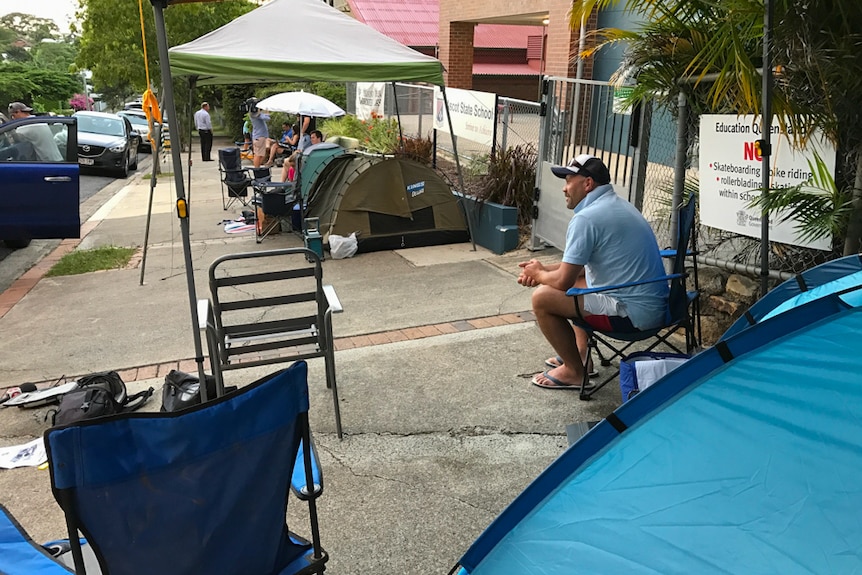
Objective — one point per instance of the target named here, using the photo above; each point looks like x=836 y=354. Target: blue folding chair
x=683 y=311
x=20 y=555
x=201 y=490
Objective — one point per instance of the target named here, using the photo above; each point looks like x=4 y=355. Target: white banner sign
x=731 y=175
x=370 y=98
x=473 y=114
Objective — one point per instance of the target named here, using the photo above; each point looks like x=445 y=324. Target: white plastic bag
x=341 y=247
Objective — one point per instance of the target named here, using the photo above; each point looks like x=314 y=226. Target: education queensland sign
x=731 y=175
x=473 y=114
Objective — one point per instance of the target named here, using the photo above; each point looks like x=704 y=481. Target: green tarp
x=300 y=40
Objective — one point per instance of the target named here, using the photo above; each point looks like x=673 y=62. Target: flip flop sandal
x=554 y=383
x=550 y=363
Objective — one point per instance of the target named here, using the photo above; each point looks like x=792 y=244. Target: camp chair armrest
x=332 y=299
x=585 y=291
x=297 y=480
x=671 y=253
x=203 y=313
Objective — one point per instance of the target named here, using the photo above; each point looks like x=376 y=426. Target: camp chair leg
x=329 y=361
x=592 y=345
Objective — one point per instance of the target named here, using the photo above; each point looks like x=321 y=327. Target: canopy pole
x=182 y=204
x=458 y=168
x=192 y=84
x=155 y=153
x=398 y=115
x=766 y=147
x=153 y=179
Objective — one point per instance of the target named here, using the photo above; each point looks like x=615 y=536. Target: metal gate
x=581 y=117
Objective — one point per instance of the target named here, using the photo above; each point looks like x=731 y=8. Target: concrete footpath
x=435 y=350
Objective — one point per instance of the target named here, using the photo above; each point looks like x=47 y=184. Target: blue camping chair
x=683 y=311
x=19 y=554
x=202 y=490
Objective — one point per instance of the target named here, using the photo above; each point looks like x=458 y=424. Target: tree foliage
x=38 y=58
x=31 y=29
x=57 y=56
x=111 y=44
x=23 y=83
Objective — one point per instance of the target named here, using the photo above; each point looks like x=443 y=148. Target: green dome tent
x=389 y=202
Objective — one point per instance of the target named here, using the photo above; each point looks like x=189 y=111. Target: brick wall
x=456 y=35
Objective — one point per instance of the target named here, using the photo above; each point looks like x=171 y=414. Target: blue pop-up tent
x=830 y=277
x=746 y=459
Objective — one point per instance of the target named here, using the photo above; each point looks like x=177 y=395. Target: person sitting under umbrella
x=286 y=144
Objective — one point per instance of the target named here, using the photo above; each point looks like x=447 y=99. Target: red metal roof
x=416 y=23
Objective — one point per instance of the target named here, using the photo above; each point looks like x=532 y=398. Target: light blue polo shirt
x=259 y=129
x=613 y=241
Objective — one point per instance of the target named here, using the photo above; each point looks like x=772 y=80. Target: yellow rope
x=150 y=103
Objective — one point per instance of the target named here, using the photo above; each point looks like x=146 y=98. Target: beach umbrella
x=301 y=103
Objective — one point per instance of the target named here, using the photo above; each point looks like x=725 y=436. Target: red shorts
x=611 y=323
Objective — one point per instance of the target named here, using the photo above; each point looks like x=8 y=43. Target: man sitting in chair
x=608 y=242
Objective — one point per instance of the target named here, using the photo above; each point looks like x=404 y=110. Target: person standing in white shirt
x=204 y=126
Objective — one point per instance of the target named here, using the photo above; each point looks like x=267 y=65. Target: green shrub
x=510 y=180
x=377 y=135
x=417 y=148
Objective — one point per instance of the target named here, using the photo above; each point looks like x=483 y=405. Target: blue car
x=39 y=180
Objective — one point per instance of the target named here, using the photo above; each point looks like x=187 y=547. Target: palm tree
x=711 y=50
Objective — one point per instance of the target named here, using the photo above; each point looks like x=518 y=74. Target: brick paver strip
x=28 y=280
x=430 y=330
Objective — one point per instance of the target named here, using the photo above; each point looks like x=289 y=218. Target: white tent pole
x=182 y=204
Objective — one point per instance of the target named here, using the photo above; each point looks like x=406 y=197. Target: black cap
x=585 y=165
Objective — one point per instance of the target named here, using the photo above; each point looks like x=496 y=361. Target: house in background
x=507 y=60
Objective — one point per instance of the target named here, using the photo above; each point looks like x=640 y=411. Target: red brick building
x=503 y=57
x=459 y=21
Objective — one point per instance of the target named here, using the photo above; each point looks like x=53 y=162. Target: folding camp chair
x=20 y=554
x=235 y=179
x=275 y=200
x=683 y=311
x=270 y=307
x=201 y=490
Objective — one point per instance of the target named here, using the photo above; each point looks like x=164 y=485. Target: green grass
x=86 y=261
x=149 y=175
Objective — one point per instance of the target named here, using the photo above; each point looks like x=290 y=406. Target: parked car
x=141 y=125
x=107 y=142
x=39 y=199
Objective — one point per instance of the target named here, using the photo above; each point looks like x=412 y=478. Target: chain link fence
x=517 y=121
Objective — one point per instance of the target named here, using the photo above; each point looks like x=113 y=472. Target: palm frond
x=817 y=205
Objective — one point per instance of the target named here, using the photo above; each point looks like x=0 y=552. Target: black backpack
x=182 y=390
x=98 y=394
